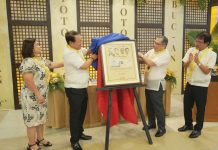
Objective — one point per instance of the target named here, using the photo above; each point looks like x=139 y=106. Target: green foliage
x=215 y=34
x=215 y=49
x=140 y=2
x=170 y=77
x=214 y=43
x=191 y=37
x=202 y=4
x=182 y=2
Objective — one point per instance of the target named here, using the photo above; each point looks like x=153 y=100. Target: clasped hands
x=194 y=57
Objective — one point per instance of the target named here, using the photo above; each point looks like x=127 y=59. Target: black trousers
x=195 y=94
x=155 y=108
x=78 y=99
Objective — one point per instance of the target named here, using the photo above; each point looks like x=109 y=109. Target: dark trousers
x=155 y=108
x=78 y=103
x=198 y=95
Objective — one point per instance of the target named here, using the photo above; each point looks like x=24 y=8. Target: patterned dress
x=34 y=113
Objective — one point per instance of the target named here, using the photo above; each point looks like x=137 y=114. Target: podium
x=58 y=110
x=58 y=107
x=211 y=113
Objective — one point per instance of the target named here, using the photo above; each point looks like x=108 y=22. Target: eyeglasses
x=199 y=41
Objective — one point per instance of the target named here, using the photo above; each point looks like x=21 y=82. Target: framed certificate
x=120 y=63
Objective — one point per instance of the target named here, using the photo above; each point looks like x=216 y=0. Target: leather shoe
x=76 y=146
x=160 y=132
x=195 y=134
x=149 y=127
x=85 y=137
x=185 y=128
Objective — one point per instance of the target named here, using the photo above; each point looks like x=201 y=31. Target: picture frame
x=120 y=63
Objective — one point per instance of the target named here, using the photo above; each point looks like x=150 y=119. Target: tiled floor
x=122 y=136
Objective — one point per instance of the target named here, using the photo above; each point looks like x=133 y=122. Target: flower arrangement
x=215 y=71
x=170 y=76
x=56 y=81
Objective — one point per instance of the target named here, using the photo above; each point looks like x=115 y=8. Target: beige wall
x=63 y=18
x=174 y=31
x=123 y=17
x=6 y=85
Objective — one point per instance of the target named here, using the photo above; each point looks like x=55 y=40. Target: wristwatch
x=199 y=64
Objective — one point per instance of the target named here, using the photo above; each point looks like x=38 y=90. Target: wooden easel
x=109 y=111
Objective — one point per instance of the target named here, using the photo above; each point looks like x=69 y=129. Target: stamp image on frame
x=120 y=64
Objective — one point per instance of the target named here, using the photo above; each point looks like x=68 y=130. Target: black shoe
x=76 y=146
x=29 y=147
x=149 y=127
x=85 y=137
x=195 y=134
x=160 y=132
x=41 y=143
x=185 y=128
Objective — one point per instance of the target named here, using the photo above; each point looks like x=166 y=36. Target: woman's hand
x=54 y=65
x=30 y=84
x=40 y=99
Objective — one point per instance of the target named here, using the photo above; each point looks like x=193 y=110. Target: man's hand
x=94 y=56
x=140 y=58
x=88 y=52
x=140 y=55
x=191 y=57
x=196 y=59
